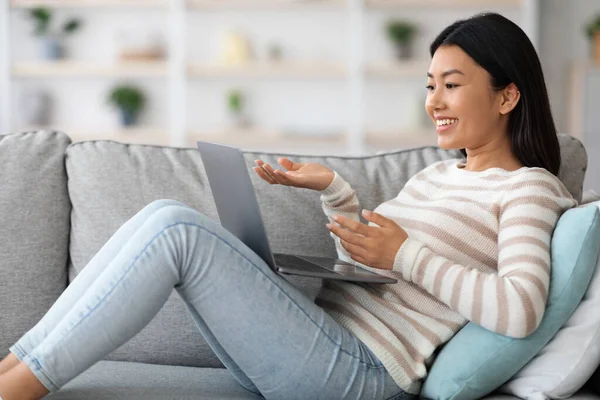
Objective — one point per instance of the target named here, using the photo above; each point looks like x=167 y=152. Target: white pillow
x=566 y=363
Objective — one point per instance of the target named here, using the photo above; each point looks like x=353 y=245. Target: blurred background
x=312 y=76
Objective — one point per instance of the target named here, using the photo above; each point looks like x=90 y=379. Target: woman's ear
x=510 y=97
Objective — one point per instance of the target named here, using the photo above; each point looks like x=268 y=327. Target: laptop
x=239 y=213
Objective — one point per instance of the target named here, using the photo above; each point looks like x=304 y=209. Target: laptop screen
x=234 y=196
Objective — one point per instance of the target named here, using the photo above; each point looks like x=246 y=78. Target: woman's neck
x=485 y=160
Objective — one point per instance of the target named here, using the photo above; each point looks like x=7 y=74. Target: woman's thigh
x=285 y=344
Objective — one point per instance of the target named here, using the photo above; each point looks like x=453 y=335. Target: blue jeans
x=272 y=338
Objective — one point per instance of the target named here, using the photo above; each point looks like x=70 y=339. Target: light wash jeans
x=272 y=338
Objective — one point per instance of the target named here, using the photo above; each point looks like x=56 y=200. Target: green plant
x=71 y=26
x=593 y=27
x=42 y=17
x=235 y=99
x=127 y=98
x=401 y=31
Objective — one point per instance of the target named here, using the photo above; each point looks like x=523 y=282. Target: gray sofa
x=60 y=202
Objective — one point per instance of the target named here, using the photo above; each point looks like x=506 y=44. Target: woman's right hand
x=307 y=176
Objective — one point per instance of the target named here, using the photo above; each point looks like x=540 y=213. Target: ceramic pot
x=404 y=50
x=239 y=120
x=128 y=118
x=51 y=48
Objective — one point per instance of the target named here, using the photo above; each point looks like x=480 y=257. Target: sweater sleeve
x=340 y=199
x=511 y=300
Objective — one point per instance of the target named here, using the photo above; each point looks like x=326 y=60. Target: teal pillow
x=476 y=361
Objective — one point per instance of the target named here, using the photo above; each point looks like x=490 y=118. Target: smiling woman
x=488 y=97
x=464 y=241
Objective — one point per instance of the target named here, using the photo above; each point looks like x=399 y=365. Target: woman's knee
x=162 y=203
x=173 y=212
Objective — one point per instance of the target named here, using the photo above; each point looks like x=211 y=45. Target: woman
x=466 y=241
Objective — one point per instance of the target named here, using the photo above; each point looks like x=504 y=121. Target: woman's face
x=460 y=90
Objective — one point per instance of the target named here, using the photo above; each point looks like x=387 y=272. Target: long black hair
x=502 y=48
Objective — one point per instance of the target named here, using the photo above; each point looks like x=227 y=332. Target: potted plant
x=51 y=42
x=130 y=101
x=592 y=30
x=236 y=103
x=401 y=33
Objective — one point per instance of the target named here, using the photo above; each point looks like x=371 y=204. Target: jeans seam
x=18 y=352
x=41 y=370
x=162 y=231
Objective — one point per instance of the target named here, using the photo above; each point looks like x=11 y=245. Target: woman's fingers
x=288 y=164
x=285 y=178
x=262 y=165
x=278 y=175
x=274 y=176
x=261 y=172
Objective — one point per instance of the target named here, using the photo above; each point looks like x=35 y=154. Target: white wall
x=562 y=41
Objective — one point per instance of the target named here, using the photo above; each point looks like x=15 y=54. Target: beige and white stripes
x=478 y=250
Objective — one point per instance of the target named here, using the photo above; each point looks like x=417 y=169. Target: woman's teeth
x=442 y=122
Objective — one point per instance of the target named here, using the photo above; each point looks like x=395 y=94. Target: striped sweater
x=478 y=250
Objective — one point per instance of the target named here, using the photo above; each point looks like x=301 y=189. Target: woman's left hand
x=374 y=246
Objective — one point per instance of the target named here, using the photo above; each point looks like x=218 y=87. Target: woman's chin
x=448 y=142
x=444 y=143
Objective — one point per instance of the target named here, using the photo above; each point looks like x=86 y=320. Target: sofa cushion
x=476 y=361
x=34 y=229
x=573 y=165
x=109 y=182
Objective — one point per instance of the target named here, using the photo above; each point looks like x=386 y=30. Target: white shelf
x=397 y=69
x=88 y=3
x=385 y=4
x=284 y=69
x=88 y=69
x=296 y=5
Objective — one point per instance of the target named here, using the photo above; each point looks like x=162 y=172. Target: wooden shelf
x=275 y=140
x=88 y=3
x=124 y=135
x=283 y=69
x=296 y=5
x=397 y=69
x=134 y=135
x=398 y=139
x=88 y=69
x=385 y=4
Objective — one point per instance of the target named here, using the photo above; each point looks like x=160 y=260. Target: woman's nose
x=434 y=101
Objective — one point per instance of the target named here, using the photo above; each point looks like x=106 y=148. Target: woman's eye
x=448 y=86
